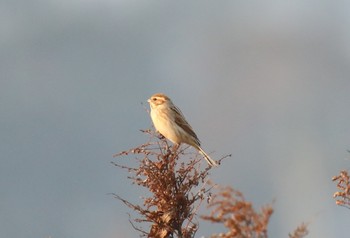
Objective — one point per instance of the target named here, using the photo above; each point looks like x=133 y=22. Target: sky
x=266 y=82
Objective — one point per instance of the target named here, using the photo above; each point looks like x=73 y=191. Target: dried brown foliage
x=342 y=197
x=300 y=232
x=230 y=208
x=176 y=189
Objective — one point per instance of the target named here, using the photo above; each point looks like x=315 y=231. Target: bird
x=169 y=121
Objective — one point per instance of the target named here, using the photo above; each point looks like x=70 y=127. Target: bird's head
x=158 y=99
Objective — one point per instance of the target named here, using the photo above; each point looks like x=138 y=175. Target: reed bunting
x=171 y=123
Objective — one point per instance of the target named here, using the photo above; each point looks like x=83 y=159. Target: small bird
x=171 y=123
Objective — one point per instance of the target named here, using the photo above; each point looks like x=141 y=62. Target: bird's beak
x=149 y=100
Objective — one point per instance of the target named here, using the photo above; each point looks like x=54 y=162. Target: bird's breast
x=165 y=125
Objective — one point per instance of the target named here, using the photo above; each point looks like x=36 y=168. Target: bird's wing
x=181 y=121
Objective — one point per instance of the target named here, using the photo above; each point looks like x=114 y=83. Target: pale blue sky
x=267 y=82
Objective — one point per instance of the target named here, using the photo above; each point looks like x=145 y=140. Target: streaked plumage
x=171 y=123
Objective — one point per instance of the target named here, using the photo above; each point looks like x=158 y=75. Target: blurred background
x=266 y=81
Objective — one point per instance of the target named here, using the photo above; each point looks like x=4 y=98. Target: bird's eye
x=154 y=99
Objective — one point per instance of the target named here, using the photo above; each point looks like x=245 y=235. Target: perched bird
x=171 y=123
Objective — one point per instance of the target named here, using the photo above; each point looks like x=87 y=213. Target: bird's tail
x=210 y=161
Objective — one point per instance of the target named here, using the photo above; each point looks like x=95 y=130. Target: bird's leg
x=175 y=147
x=172 y=150
x=161 y=137
x=173 y=154
x=167 y=149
